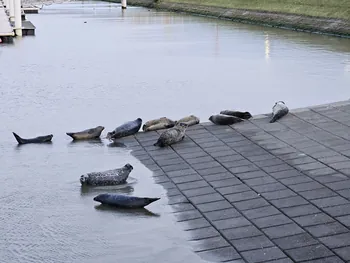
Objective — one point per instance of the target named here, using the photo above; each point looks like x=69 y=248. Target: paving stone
x=336 y=241
x=344 y=220
x=333 y=159
x=345 y=193
x=262 y=157
x=309 y=252
x=327 y=229
x=260 y=255
x=272 y=187
x=210 y=171
x=187 y=215
x=199 y=191
x=202 y=233
x=197 y=160
x=219 y=177
x=283 y=230
x=339 y=185
x=310 y=166
x=176 y=199
x=322 y=171
x=343 y=252
x=318 y=193
x=273 y=220
x=206 y=165
x=250 y=243
x=332 y=259
x=251 y=204
x=194 y=224
x=289 y=202
x=237 y=163
x=231 y=223
x=315 y=219
x=187 y=178
x=330 y=178
x=213 y=206
x=181 y=173
x=260 y=181
x=278 y=194
x=277 y=168
x=173 y=192
x=241 y=232
x=241 y=196
x=222 y=254
x=260 y=212
x=222 y=214
x=254 y=174
x=330 y=201
x=301 y=179
x=229 y=158
x=175 y=167
x=339 y=210
x=226 y=182
x=233 y=189
x=306 y=186
x=286 y=174
x=208 y=198
x=182 y=207
x=270 y=162
x=209 y=243
x=301 y=210
x=193 y=185
x=300 y=240
x=244 y=169
x=301 y=160
x=282 y=260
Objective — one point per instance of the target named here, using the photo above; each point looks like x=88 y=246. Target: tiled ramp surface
x=260 y=192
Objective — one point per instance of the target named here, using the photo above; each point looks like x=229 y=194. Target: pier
x=257 y=191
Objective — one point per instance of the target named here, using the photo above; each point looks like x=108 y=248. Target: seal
x=126 y=129
x=158 y=124
x=220 y=119
x=278 y=111
x=172 y=135
x=39 y=139
x=189 y=120
x=109 y=177
x=242 y=115
x=92 y=133
x=124 y=201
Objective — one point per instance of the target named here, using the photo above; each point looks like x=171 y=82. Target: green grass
x=318 y=8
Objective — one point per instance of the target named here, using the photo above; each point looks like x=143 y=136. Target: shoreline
x=316 y=25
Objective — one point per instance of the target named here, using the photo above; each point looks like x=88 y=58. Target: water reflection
x=126 y=188
x=97 y=141
x=267 y=47
x=126 y=211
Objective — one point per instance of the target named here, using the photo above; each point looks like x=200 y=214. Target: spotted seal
x=278 y=111
x=189 y=120
x=172 y=135
x=38 y=139
x=220 y=119
x=92 y=133
x=126 y=129
x=158 y=124
x=109 y=177
x=124 y=201
x=243 y=115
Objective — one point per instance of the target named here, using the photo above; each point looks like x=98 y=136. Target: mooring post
x=123 y=4
x=6 y=3
x=12 y=10
x=18 y=18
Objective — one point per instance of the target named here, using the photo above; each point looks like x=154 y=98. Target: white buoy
x=18 y=18
x=12 y=10
x=123 y=4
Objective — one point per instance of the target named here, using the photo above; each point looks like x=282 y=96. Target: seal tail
x=18 y=139
x=71 y=134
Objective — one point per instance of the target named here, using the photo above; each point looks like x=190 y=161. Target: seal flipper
x=159 y=143
x=18 y=139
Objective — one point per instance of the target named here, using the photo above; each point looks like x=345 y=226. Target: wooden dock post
x=18 y=18
x=12 y=10
x=123 y=4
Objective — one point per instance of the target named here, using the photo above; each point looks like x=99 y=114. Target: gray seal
x=158 y=124
x=220 y=119
x=126 y=129
x=92 y=133
x=172 y=135
x=124 y=201
x=278 y=111
x=239 y=114
x=39 y=139
x=109 y=177
x=189 y=120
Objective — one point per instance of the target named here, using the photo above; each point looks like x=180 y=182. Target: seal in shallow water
x=243 y=115
x=92 y=133
x=39 y=139
x=158 y=124
x=172 y=135
x=220 y=119
x=278 y=111
x=124 y=201
x=126 y=129
x=109 y=177
x=189 y=120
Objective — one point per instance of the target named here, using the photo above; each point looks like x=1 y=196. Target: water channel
x=116 y=67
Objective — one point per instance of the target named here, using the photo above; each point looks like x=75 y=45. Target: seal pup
x=109 y=177
x=92 y=133
x=38 y=139
x=124 y=201
x=243 y=115
x=220 y=119
x=189 y=120
x=126 y=129
x=158 y=124
x=278 y=111
x=172 y=135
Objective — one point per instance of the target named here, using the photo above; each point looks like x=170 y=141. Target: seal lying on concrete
x=158 y=124
x=172 y=135
x=109 y=177
x=220 y=119
x=92 y=133
x=278 y=111
x=189 y=120
x=126 y=129
x=39 y=139
x=243 y=115
x=124 y=201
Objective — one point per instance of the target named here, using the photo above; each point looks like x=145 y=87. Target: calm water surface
x=120 y=66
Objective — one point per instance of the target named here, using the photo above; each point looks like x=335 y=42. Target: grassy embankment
x=318 y=8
